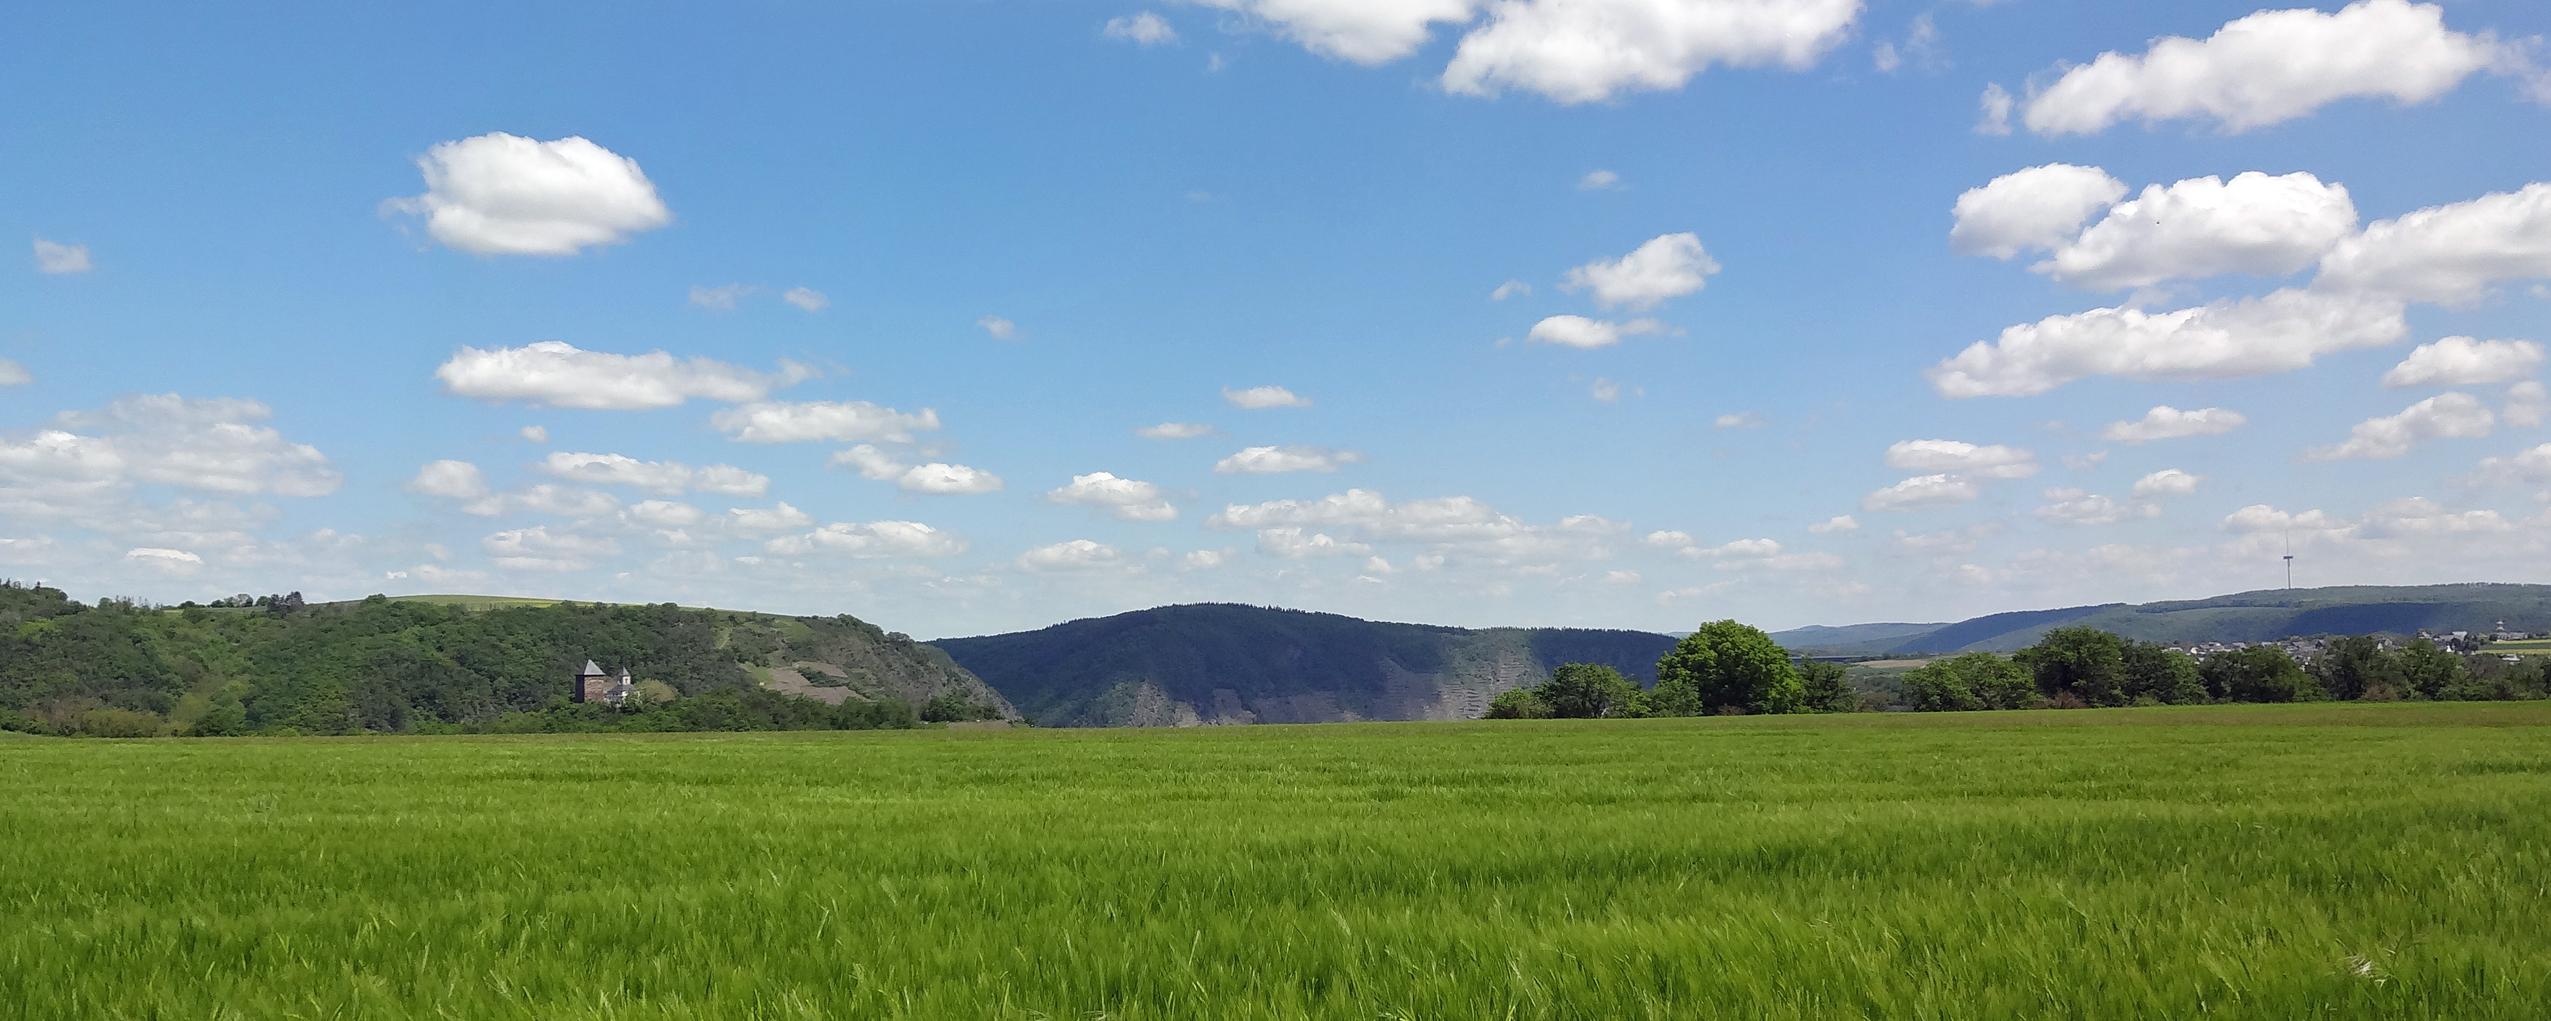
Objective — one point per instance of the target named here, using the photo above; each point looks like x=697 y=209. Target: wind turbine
x=2289 y=561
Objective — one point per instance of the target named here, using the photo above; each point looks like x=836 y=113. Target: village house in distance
x=595 y=685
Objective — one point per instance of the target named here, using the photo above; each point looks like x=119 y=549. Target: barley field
x=2355 y=861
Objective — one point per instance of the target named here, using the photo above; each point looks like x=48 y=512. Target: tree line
x=1729 y=668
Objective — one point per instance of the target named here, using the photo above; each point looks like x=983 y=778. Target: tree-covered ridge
x=381 y=665
x=1728 y=668
x=1222 y=663
x=2261 y=616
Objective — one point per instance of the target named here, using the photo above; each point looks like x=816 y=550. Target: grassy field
x=2527 y=647
x=2378 y=861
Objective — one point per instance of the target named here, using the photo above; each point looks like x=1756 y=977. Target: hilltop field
x=2328 y=860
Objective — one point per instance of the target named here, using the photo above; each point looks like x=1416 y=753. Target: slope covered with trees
x=1222 y=663
x=2244 y=617
x=276 y=665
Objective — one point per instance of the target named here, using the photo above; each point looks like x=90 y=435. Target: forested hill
x=384 y=665
x=1217 y=663
x=2244 y=617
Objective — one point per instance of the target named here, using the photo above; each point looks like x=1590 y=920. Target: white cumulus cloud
x=560 y=375
x=2167 y=482
x=2253 y=224
x=1279 y=460
x=501 y=194
x=1075 y=555
x=2168 y=423
x=1665 y=267
x=450 y=480
x=2465 y=361
x=826 y=421
x=2452 y=253
x=1584 y=51
x=2268 y=67
x=2278 y=332
x=1920 y=491
x=2035 y=209
x=1956 y=457
x=1581 y=332
x=1260 y=398
x=1129 y=499
x=1175 y=431
x=2444 y=416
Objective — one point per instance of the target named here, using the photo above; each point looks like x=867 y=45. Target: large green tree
x=1518 y=704
x=2431 y=671
x=1828 y=687
x=2085 y=663
x=1730 y=667
x=2156 y=673
x=1588 y=691
x=2357 y=666
x=2261 y=673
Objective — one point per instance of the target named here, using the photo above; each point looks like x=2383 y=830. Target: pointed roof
x=593 y=669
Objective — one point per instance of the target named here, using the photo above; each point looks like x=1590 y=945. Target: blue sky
x=231 y=346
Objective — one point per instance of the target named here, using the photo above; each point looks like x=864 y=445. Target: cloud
x=560 y=375
x=1960 y=458
x=1739 y=420
x=777 y=518
x=1584 y=51
x=450 y=480
x=1128 y=499
x=1278 y=460
x=2167 y=482
x=215 y=445
x=1993 y=111
x=1365 y=32
x=14 y=374
x=2444 y=416
x=827 y=421
x=1604 y=390
x=2464 y=361
x=939 y=478
x=1260 y=398
x=654 y=476
x=1455 y=524
x=57 y=259
x=935 y=478
x=1510 y=289
x=2201 y=227
x=1581 y=332
x=539 y=549
x=534 y=434
x=2530 y=467
x=807 y=299
x=1920 y=491
x=2169 y=423
x=2453 y=253
x=500 y=194
x=553 y=500
x=2034 y=209
x=2259 y=518
x=1143 y=29
x=2279 y=332
x=2528 y=404
x=1175 y=431
x=1599 y=180
x=666 y=514
x=1837 y=523
x=1669 y=539
x=1203 y=560
x=998 y=328
x=722 y=297
x=1295 y=543
x=2076 y=507
x=874 y=540
x=1667 y=266
x=2268 y=67
x=170 y=561
x=1076 y=555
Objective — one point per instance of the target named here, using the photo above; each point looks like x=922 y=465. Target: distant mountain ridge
x=1224 y=663
x=2259 y=616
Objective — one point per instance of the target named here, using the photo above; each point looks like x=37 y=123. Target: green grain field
x=2356 y=861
